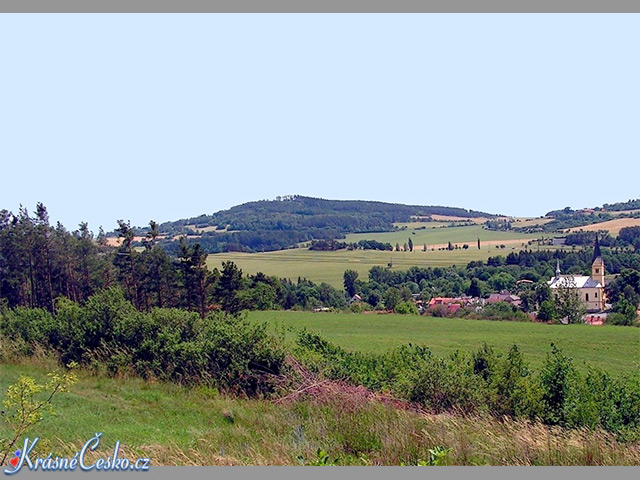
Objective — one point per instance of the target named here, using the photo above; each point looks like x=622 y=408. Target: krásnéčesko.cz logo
x=107 y=464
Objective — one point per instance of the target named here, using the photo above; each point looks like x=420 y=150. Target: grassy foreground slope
x=174 y=425
x=614 y=349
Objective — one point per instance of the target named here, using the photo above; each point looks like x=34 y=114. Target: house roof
x=503 y=297
x=580 y=281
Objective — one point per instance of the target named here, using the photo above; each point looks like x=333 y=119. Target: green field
x=330 y=266
x=442 y=235
x=615 y=349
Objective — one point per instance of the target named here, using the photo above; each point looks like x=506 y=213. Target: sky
x=166 y=116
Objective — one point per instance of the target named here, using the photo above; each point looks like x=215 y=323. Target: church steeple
x=557 y=268
x=596 y=250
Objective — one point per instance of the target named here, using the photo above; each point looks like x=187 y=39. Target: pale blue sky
x=169 y=116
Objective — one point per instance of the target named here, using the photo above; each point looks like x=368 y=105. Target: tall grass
x=179 y=425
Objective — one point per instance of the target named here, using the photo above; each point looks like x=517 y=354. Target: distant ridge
x=268 y=225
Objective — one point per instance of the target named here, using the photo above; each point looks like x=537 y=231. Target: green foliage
x=487 y=382
x=547 y=311
x=446 y=384
x=350 y=277
x=170 y=344
x=621 y=319
x=567 y=302
x=392 y=298
x=630 y=236
x=359 y=307
x=322 y=460
x=275 y=225
x=26 y=404
x=437 y=457
x=406 y=308
x=503 y=311
x=558 y=378
x=477 y=288
x=502 y=281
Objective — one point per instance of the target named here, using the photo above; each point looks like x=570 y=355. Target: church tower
x=597 y=273
x=597 y=267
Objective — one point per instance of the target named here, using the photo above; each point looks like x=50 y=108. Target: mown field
x=613 y=226
x=438 y=236
x=330 y=266
x=614 y=349
x=175 y=425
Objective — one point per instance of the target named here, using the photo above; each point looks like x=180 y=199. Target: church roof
x=580 y=281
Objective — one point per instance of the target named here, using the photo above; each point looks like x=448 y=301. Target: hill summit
x=268 y=225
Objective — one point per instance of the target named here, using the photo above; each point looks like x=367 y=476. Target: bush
x=488 y=382
x=503 y=311
x=447 y=384
x=406 y=308
x=26 y=328
x=169 y=344
x=620 y=319
x=359 y=307
x=558 y=380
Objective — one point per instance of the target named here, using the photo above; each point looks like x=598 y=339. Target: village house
x=591 y=289
x=505 y=296
x=449 y=305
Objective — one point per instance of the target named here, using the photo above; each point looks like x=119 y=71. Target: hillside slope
x=269 y=225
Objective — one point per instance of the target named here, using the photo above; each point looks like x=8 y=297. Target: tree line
x=40 y=262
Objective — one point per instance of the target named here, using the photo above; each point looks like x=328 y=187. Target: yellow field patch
x=531 y=222
x=613 y=226
x=424 y=225
x=116 y=241
x=447 y=218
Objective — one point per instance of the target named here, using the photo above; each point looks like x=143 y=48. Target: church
x=591 y=288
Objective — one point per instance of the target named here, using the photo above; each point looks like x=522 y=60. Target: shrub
x=620 y=319
x=26 y=327
x=359 y=307
x=406 y=308
x=488 y=382
x=447 y=384
x=503 y=311
x=169 y=344
x=558 y=378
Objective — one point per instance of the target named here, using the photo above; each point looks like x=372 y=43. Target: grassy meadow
x=175 y=425
x=441 y=236
x=614 y=349
x=330 y=266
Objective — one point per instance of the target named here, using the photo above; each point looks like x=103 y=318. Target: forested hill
x=276 y=224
